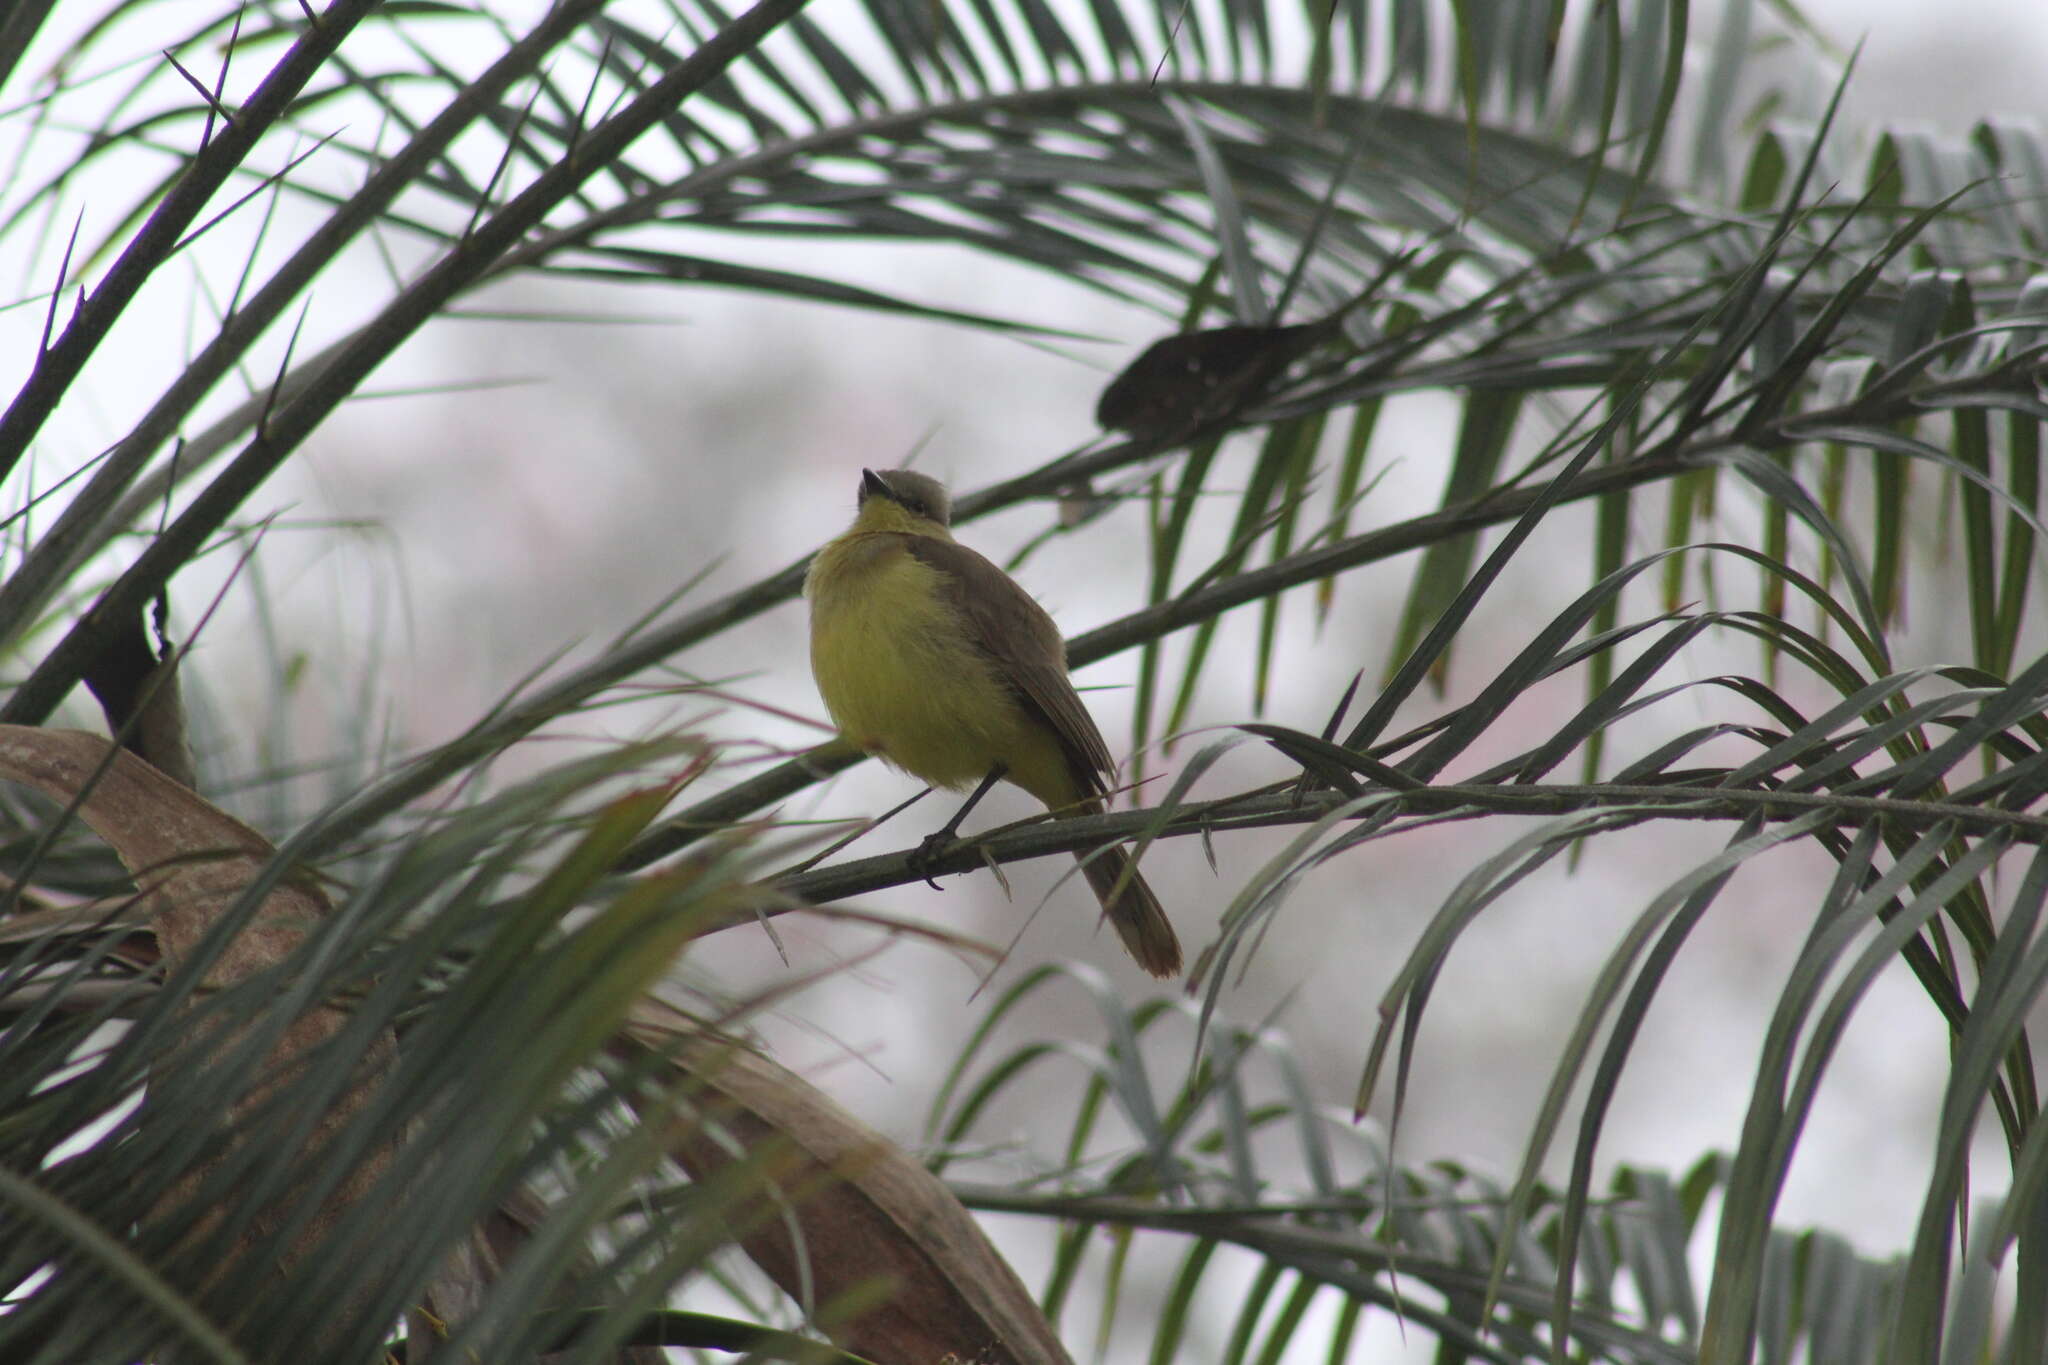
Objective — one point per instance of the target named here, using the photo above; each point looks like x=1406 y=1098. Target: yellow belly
x=904 y=682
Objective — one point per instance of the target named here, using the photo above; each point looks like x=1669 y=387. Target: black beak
x=873 y=486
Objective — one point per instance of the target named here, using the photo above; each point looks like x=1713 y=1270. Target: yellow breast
x=898 y=669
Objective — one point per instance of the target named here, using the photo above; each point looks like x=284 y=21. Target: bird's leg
x=926 y=853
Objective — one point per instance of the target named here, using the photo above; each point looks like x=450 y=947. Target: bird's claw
x=927 y=853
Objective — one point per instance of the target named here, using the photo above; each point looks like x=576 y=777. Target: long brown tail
x=1140 y=922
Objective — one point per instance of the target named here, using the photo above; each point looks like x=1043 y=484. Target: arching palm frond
x=1246 y=1170
x=370 y=1039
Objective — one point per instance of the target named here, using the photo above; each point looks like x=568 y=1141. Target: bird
x=1189 y=380
x=1183 y=381
x=931 y=658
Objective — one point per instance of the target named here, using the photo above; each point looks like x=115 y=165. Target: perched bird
x=1183 y=381
x=932 y=659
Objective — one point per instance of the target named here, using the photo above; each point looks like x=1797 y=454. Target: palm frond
x=1438 y=1246
x=268 y=1132
x=1626 y=297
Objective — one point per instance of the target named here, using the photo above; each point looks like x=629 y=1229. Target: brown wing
x=1014 y=630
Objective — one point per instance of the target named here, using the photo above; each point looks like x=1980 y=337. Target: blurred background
x=527 y=480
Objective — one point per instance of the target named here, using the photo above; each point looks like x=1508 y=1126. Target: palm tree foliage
x=1559 y=216
x=1341 y=1216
